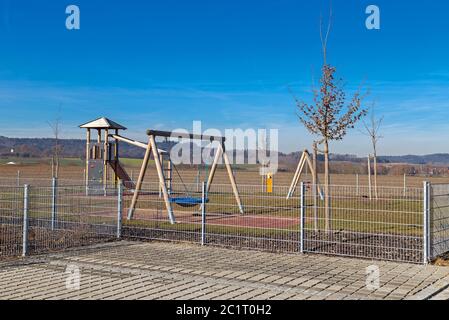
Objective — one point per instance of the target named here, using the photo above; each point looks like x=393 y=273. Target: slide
x=123 y=175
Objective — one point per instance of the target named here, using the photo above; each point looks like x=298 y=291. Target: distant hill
x=43 y=147
x=75 y=148
x=436 y=158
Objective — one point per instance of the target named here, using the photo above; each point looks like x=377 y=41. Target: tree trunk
x=327 y=209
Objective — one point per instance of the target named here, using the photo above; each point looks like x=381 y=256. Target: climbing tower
x=102 y=154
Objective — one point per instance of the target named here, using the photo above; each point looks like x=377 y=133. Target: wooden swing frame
x=303 y=161
x=151 y=148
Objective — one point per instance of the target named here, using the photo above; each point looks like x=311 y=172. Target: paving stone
x=133 y=270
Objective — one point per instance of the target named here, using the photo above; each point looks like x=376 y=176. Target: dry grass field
x=73 y=169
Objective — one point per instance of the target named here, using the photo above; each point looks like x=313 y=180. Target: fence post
x=25 y=221
x=426 y=214
x=203 y=213
x=302 y=220
x=54 y=193
x=18 y=178
x=119 y=208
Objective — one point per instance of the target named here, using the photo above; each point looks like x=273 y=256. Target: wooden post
x=116 y=159
x=231 y=177
x=213 y=168
x=170 y=175
x=375 y=175
x=105 y=158
x=405 y=185
x=162 y=179
x=88 y=137
x=264 y=181
x=143 y=170
x=315 y=185
x=161 y=159
x=298 y=177
x=369 y=177
x=327 y=196
x=295 y=177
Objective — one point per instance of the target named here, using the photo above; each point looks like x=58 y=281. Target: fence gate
x=439 y=220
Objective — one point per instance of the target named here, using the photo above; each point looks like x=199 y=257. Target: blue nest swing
x=187 y=201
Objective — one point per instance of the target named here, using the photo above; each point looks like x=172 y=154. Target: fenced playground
x=410 y=225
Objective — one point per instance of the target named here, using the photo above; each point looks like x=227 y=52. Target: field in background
x=73 y=169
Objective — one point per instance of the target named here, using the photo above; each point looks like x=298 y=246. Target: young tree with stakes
x=372 y=131
x=329 y=116
x=57 y=148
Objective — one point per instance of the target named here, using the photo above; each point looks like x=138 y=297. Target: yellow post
x=269 y=185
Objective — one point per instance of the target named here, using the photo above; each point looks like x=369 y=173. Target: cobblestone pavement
x=137 y=270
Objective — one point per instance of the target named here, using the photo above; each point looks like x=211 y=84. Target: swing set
x=105 y=153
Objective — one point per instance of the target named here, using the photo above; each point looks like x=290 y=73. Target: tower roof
x=102 y=123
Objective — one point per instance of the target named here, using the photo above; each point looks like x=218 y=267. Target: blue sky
x=227 y=63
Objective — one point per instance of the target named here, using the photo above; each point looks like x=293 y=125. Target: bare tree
x=57 y=148
x=372 y=129
x=329 y=116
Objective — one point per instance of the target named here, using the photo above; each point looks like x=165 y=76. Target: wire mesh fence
x=41 y=219
x=388 y=226
x=11 y=220
x=439 y=220
x=65 y=216
x=269 y=221
x=388 y=223
x=150 y=219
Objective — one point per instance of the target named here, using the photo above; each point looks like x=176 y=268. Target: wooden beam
x=213 y=168
x=105 y=158
x=315 y=185
x=314 y=175
x=174 y=134
x=298 y=177
x=88 y=137
x=133 y=142
x=297 y=172
x=232 y=179
x=143 y=170
x=160 y=174
x=129 y=141
x=116 y=159
x=369 y=177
